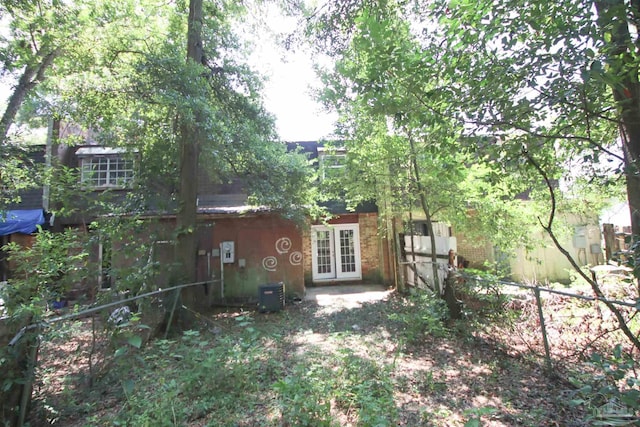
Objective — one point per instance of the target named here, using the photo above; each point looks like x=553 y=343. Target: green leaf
x=586 y=389
x=128 y=385
x=631 y=398
x=135 y=341
x=474 y=422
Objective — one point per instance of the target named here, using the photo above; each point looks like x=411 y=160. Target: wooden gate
x=416 y=258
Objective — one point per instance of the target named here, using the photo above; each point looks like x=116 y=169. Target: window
x=107 y=172
x=331 y=162
x=105 y=167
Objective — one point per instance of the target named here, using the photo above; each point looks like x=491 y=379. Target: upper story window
x=102 y=167
x=331 y=161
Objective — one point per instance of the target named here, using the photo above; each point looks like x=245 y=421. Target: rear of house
x=240 y=247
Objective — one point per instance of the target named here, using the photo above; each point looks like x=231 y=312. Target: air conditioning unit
x=271 y=297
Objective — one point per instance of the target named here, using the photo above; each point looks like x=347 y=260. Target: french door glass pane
x=347 y=252
x=323 y=256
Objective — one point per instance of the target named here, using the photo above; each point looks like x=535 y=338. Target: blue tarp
x=20 y=221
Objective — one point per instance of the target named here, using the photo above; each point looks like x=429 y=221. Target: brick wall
x=373 y=249
x=306 y=255
x=476 y=251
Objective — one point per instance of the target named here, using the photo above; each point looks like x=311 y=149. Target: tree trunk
x=190 y=138
x=427 y=213
x=187 y=214
x=31 y=76
x=614 y=17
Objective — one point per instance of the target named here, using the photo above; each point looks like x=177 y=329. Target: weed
x=612 y=395
x=314 y=369
x=302 y=397
x=422 y=316
x=364 y=385
x=428 y=384
x=476 y=415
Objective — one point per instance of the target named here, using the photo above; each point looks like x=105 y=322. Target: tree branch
x=594 y=285
x=31 y=76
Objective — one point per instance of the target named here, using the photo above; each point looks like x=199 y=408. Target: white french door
x=335 y=252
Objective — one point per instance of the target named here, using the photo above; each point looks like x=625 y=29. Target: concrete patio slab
x=348 y=296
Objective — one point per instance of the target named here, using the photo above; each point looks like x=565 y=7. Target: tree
x=125 y=77
x=51 y=38
x=536 y=77
x=190 y=139
x=557 y=65
x=396 y=126
x=230 y=122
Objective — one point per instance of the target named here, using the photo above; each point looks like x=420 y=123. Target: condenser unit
x=271 y=297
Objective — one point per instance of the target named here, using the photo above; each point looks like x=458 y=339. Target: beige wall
x=476 y=251
x=549 y=264
x=545 y=263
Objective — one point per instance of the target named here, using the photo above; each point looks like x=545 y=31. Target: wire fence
x=86 y=312
x=418 y=274
x=565 y=320
x=95 y=341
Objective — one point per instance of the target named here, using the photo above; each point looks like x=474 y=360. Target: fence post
x=173 y=309
x=543 y=328
x=27 y=388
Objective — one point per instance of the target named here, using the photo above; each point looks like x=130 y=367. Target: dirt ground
x=492 y=372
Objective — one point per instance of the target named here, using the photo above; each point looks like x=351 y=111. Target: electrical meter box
x=227 y=252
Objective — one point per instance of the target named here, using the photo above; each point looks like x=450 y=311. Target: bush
x=612 y=394
x=422 y=315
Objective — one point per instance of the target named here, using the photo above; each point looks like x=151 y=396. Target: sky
x=288 y=96
x=288 y=90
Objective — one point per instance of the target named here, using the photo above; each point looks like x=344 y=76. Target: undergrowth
x=396 y=362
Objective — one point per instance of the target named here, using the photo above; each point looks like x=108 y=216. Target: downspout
x=221 y=273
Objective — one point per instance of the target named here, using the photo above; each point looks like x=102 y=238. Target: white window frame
x=336 y=270
x=331 y=159
x=104 y=168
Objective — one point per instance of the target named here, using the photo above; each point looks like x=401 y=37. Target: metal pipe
x=221 y=273
x=543 y=329
x=554 y=291
x=22 y=331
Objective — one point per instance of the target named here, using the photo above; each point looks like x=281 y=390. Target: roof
x=340 y=207
x=312 y=148
x=308 y=148
x=233 y=210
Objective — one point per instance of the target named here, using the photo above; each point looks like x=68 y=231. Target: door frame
x=336 y=273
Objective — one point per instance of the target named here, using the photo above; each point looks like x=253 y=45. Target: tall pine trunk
x=614 y=18
x=190 y=136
